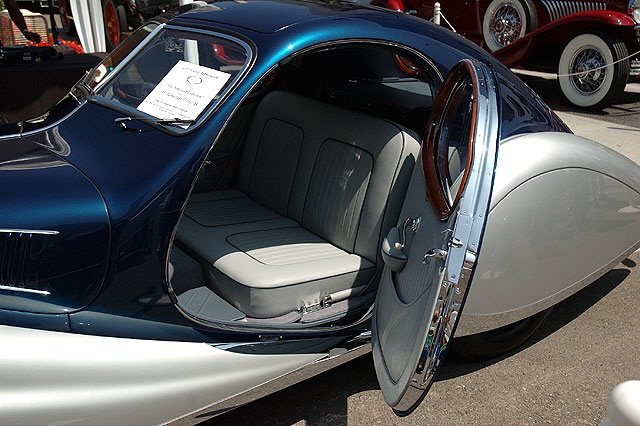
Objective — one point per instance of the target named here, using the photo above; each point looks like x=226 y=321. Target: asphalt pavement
x=563 y=375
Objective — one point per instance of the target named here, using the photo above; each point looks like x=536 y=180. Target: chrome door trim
x=22 y=134
x=468 y=230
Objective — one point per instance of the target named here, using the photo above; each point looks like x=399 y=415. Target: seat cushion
x=270 y=267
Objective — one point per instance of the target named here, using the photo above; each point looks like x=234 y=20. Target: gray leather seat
x=317 y=187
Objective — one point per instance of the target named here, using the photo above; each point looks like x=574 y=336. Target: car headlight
x=634 y=10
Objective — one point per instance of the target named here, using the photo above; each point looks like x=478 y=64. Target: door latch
x=440 y=253
x=437 y=253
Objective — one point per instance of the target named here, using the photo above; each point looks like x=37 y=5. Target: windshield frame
x=151 y=120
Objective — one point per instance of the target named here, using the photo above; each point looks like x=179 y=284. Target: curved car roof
x=269 y=16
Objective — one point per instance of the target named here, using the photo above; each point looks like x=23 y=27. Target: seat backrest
x=332 y=170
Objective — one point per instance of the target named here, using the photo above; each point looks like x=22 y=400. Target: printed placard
x=184 y=92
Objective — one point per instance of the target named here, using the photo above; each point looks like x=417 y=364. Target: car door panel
x=440 y=230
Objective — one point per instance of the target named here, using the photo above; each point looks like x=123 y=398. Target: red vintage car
x=120 y=16
x=593 y=45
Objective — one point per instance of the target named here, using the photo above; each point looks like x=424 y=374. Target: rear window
x=177 y=74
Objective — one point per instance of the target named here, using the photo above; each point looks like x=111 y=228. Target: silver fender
x=564 y=211
x=61 y=378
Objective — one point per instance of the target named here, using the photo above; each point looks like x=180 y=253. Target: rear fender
x=564 y=211
x=546 y=43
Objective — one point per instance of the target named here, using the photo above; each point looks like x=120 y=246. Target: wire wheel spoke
x=587 y=72
x=507 y=25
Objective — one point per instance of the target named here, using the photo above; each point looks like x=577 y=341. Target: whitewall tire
x=587 y=72
x=505 y=21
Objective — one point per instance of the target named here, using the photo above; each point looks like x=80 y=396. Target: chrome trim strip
x=635 y=63
x=468 y=230
x=358 y=346
x=560 y=8
x=29 y=231
x=473 y=324
x=24 y=290
x=42 y=129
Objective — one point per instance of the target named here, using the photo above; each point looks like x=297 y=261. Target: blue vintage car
x=249 y=193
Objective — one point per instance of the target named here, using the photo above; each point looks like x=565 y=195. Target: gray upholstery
x=336 y=193
x=311 y=204
x=226 y=207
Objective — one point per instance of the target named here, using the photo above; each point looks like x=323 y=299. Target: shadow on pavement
x=322 y=400
x=562 y=314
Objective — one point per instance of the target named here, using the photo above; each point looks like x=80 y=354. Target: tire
x=582 y=81
x=68 y=25
x=505 y=21
x=115 y=23
x=493 y=343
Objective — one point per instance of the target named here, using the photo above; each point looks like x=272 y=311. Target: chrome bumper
x=635 y=67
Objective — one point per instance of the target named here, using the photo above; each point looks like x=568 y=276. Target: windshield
x=118 y=55
x=176 y=75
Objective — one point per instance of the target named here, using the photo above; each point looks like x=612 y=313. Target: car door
x=430 y=256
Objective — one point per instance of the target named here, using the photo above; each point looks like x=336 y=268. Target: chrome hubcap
x=587 y=72
x=507 y=25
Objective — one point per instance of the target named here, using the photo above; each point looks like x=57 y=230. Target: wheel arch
x=541 y=49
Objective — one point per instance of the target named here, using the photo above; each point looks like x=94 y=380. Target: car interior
x=287 y=216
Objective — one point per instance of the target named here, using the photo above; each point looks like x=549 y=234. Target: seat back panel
x=336 y=193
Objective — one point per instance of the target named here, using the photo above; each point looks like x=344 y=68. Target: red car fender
x=389 y=4
x=552 y=38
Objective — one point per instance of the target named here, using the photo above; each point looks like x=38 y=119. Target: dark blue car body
x=116 y=197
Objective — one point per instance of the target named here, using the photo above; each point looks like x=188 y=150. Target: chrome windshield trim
x=24 y=290
x=28 y=231
x=206 y=113
x=127 y=59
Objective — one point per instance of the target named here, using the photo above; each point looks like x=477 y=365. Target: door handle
x=392 y=251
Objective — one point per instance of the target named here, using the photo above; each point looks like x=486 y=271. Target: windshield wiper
x=175 y=122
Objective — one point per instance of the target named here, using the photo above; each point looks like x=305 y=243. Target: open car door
x=430 y=256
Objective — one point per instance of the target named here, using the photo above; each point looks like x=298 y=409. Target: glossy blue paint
x=145 y=177
x=52 y=322
x=42 y=192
